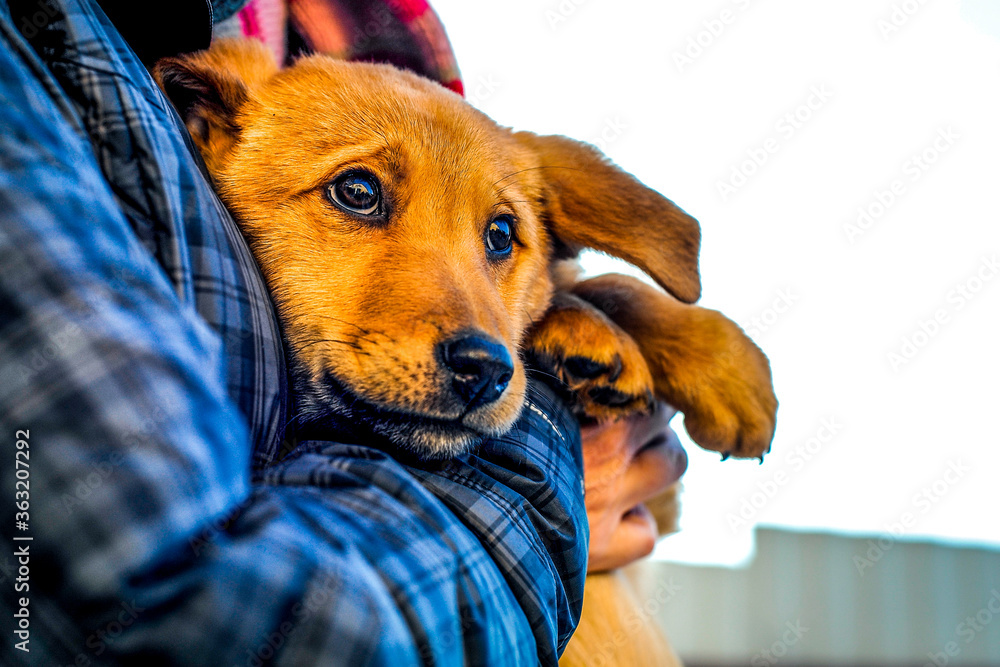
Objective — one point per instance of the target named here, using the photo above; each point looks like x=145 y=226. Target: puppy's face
x=406 y=239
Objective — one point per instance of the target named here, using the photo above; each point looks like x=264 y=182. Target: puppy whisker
x=544 y=166
x=541 y=373
x=353 y=345
x=307 y=316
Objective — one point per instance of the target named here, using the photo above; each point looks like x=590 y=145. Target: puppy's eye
x=498 y=236
x=356 y=192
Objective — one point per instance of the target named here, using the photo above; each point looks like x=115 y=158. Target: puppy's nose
x=482 y=369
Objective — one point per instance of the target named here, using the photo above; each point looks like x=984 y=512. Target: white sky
x=610 y=67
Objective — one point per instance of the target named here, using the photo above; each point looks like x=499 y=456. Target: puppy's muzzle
x=481 y=368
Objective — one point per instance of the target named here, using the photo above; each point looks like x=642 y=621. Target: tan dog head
x=407 y=240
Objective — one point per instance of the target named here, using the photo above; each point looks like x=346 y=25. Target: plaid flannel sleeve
x=139 y=352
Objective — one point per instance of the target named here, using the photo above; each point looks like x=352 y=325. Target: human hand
x=627 y=463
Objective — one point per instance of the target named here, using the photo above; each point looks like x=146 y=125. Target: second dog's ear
x=208 y=88
x=591 y=203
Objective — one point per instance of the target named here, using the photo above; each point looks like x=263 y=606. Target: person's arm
x=149 y=541
x=484 y=554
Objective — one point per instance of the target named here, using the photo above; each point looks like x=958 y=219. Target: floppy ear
x=589 y=202
x=209 y=87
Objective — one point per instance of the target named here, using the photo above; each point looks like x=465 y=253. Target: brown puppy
x=411 y=246
x=695 y=359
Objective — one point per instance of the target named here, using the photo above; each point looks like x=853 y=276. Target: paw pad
x=588 y=369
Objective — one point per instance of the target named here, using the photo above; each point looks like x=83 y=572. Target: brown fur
x=700 y=362
x=364 y=305
x=616 y=629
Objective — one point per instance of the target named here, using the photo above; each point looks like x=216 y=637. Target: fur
x=366 y=302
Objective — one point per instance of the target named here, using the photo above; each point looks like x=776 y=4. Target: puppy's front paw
x=734 y=407
x=701 y=362
x=600 y=365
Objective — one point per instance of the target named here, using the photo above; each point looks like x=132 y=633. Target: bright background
x=609 y=72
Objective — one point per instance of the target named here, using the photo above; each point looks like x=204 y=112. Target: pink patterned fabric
x=406 y=33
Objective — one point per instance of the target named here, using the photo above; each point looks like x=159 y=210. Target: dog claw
x=725 y=455
x=609 y=396
x=761 y=459
x=584 y=368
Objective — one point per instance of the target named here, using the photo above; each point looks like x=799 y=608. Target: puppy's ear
x=209 y=87
x=589 y=202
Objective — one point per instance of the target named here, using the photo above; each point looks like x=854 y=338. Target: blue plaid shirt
x=140 y=361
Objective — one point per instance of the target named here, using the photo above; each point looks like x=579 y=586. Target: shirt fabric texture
x=140 y=350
